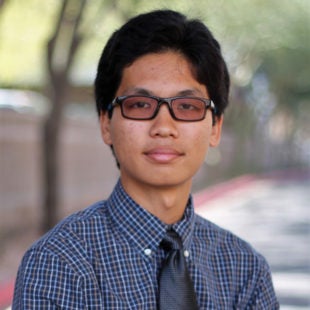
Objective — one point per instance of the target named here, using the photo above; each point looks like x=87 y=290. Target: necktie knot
x=171 y=241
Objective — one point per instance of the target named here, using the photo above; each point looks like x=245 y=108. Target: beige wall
x=88 y=170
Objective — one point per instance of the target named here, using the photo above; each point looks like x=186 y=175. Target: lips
x=163 y=155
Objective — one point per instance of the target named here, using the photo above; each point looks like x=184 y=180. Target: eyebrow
x=190 y=92
x=139 y=91
x=144 y=92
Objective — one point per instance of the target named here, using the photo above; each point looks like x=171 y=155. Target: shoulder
x=81 y=223
x=231 y=258
x=72 y=240
x=207 y=231
x=58 y=268
x=226 y=246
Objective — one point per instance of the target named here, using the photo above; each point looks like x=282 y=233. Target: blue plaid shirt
x=108 y=257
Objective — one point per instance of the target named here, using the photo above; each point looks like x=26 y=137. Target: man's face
x=161 y=152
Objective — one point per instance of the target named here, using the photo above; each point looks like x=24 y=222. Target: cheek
x=126 y=138
x=200 y=143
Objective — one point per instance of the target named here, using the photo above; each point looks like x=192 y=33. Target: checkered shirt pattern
x=108 y=257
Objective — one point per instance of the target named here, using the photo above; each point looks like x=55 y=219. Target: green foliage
x=24 y=30
x=248 y=31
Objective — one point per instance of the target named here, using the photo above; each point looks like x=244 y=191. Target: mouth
x=163 y=155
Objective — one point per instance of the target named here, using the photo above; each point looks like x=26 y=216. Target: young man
x=161 y=89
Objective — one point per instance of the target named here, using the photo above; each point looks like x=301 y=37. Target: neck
x=166 y=203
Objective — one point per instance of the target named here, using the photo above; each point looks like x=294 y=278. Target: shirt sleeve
x=45 y=282
x=264 y=296
x=259 y=291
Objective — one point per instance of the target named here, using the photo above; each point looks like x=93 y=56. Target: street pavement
x=273 y=214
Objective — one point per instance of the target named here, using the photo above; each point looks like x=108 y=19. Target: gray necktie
x=176 y=290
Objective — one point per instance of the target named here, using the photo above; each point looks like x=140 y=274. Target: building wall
x=88 y=171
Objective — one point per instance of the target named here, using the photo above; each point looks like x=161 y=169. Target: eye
x=186 y=106
x=189 y=106
x=140 y=105
x=137 y=103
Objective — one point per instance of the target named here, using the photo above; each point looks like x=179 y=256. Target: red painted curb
x=222 y=189
x=6 y=294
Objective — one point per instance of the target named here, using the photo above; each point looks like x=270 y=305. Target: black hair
x=156 y=32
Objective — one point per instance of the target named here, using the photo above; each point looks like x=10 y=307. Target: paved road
x=273 y=214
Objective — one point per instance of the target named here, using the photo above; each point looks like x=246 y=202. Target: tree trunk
x=66 y=40
x=51 y=141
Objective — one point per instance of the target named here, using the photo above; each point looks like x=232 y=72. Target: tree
x=61 y=50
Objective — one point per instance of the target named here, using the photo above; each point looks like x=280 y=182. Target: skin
x=159 y=157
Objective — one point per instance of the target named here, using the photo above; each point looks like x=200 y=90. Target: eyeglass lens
x=145 y=108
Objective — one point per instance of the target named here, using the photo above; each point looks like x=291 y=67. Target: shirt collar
x=142 y=228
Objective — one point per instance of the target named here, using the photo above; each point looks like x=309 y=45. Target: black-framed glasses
x=189 y=109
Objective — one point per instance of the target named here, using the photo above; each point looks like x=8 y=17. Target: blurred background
x=52 y=160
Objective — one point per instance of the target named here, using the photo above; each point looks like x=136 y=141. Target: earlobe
x=105 y=128
x=216 y=132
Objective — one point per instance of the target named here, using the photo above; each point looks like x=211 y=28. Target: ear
x=216 y=131
x=105 y=124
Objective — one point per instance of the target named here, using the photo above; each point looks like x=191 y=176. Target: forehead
x=163 y=74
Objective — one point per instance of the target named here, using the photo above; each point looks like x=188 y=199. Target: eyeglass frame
x=209 y=104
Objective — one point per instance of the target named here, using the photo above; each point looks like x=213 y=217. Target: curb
x=222 y=189
x=6 y=296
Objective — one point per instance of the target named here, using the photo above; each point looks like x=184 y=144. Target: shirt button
x=148 y=252
x=186 y=253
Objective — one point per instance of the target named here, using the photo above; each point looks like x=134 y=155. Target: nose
x=163 y=125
